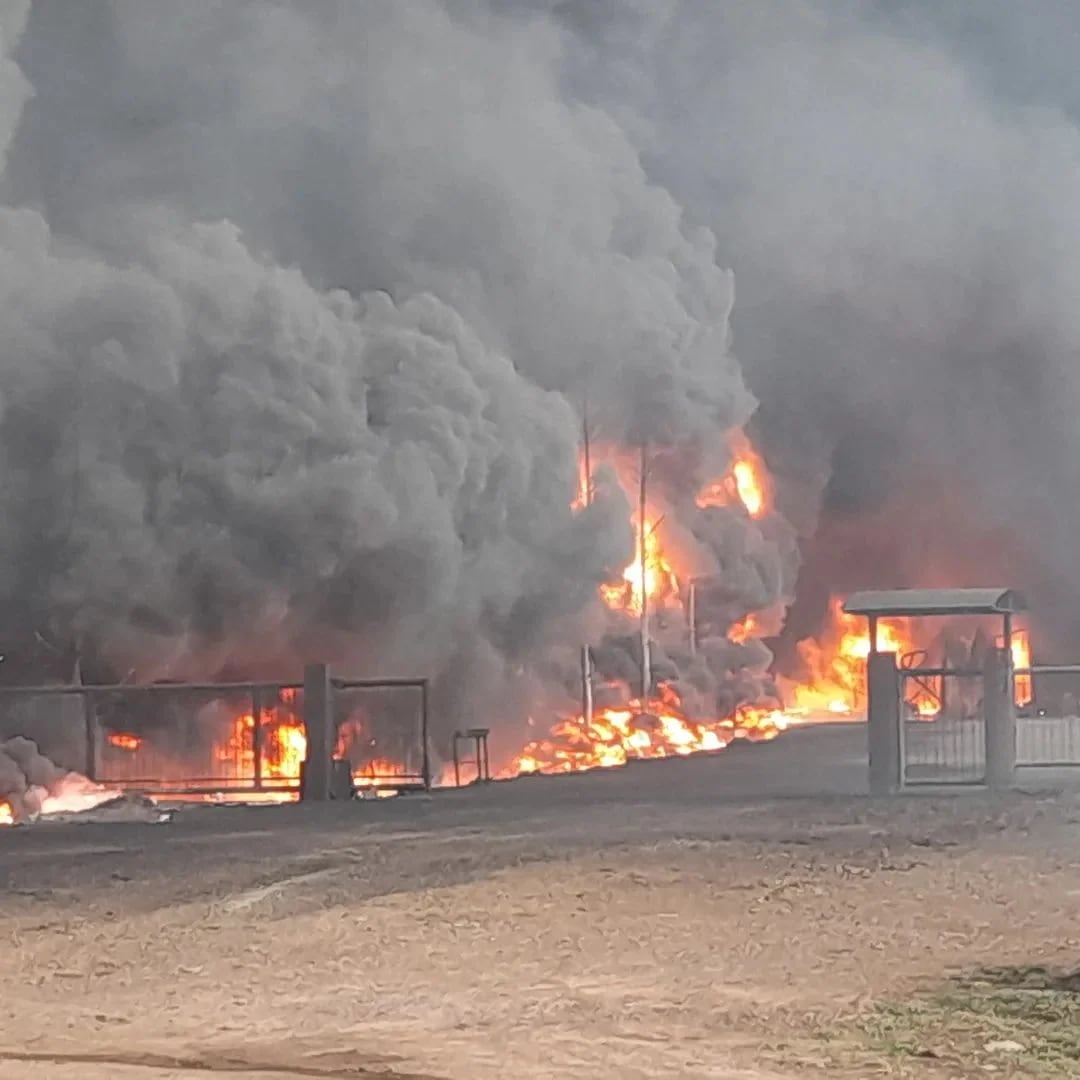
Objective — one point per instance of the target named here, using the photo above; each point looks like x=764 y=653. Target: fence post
x=319 y=726
x=256 y=737
x=883 y=723
x=424 y=735
x=999 y=720
x=90 y=722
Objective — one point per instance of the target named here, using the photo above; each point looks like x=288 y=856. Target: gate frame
x=884 y=713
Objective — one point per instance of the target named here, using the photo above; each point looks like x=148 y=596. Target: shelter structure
x=884 y=692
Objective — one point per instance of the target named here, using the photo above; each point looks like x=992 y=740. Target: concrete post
x=999 y=719
x=319 y=725
x=883 y=723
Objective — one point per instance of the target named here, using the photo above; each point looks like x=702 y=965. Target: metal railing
x=229 y=737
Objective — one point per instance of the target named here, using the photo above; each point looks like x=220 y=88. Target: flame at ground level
x=636 y=732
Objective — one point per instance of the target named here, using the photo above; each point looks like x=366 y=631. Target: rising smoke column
x=301 y=303
x=894 y=186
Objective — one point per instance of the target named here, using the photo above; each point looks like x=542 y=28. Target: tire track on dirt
x=214 y=1064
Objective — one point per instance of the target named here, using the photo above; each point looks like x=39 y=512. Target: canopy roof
x=913 y=602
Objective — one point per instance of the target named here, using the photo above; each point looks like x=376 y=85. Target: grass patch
x=1017 y=1021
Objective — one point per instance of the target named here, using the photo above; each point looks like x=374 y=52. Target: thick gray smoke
x=301 y=302
x=893 y=183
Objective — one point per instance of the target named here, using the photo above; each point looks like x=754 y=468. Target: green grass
x=956 y=1027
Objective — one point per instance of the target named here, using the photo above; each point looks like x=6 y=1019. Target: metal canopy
x=915 y=602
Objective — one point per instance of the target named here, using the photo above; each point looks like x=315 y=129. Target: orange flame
x=284 y=747
x=744 y=631
x=123 y=741
x=7 y=815
x=748 y=482
x=659 y=578
x=1023 y=690
x=619 y=735
x=836 y=665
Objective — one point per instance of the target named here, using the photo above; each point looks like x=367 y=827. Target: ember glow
x=123 y=741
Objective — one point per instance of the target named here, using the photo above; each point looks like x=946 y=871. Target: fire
x=283 y=747
x=72 y=794
x=75 y=794
x=836 y=664
x=629 y=733
x=744 y=631
x=660 y=581
x=748 y=481
x=661 y=726
x=123 y=741
x=1023 y=691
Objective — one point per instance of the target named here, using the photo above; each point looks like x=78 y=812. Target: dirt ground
x=708 y=918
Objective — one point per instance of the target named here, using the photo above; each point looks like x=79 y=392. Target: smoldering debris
x=33 y=788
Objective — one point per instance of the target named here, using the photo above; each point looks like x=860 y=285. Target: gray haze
x=303 y=298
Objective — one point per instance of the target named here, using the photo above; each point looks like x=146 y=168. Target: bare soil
x=712 y=918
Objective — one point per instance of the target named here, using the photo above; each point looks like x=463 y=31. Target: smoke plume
x=301 y=303
x=893 y=185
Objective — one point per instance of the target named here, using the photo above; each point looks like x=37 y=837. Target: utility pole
x=643 y=526
x=586 y=651
x=586 y=687
x=587 y=463
x=691 y=615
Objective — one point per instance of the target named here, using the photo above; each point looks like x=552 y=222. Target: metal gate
x=942 y=726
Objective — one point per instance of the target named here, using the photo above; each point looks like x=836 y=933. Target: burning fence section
x=237 y=740
x=253 y=739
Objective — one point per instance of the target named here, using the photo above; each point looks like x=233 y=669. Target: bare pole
x=691 y=615
x=586 y=652
x=646 y=657
x=586 y=686
x=586 y=444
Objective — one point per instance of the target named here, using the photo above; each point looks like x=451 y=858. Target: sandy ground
x=708 y=918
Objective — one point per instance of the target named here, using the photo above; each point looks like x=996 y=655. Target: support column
x=883 y=723
x=999 y=719
x=319 y=725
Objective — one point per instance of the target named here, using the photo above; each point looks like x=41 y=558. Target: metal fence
x=383 y=732
x=943 y=728
x=943 y=731
x=204 y=739
x=1048 y=715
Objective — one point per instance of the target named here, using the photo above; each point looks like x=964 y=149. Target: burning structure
x=300 y=376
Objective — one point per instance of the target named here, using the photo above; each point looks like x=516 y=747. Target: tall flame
x=747 y=482
x=1023 y=690
x=659 y=578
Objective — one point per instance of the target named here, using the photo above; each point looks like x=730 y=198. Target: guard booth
x=968 y=737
